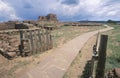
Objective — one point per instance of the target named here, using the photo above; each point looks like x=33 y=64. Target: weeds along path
x=56 y=65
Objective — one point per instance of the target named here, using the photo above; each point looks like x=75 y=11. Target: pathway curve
x=57 y=64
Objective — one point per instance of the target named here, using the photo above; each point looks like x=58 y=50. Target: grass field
x=113 y=53
x=113 y=50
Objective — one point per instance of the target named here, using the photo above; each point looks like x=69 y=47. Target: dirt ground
x=77 y=67
x=14 y=68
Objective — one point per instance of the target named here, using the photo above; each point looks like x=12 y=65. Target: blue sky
x=66 y=10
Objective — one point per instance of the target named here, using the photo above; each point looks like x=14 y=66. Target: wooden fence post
x=21 y=46
x=102 y=57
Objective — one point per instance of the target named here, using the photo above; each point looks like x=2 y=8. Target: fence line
x=98 y=58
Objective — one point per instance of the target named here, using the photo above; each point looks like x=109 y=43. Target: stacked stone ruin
x=49 y=17
x=30 y=22
x=18 y=25
x=9 y=44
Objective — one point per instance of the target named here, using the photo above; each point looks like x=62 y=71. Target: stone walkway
x=57 y=64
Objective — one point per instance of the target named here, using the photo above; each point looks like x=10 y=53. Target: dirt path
x=77 y=67
x=56 y=65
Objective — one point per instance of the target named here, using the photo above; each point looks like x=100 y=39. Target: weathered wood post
x=102 y=57
x=21 y=46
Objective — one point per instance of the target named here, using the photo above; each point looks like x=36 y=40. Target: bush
x=66 y=25
x=111 y=21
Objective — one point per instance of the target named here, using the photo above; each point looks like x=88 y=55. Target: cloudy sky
x=66 y=10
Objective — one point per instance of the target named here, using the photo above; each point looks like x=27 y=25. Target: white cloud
x=92 y=9
x=7 y=12
x=111 y=13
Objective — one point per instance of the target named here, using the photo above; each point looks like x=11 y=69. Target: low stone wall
x=9 y=45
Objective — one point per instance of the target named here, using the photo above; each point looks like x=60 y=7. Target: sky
x=66 y=10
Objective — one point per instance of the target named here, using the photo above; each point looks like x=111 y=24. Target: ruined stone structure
x=9 y=44
x=42 y=18
x=21 y=26
x=8 y=25
x=49 y=17
x=30 y=22
x=18 y=25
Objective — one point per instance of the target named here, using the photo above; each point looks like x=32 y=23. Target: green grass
x=113 y=50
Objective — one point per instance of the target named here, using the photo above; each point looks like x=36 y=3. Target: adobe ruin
x=49 y=17
x=8 y=25
x=30 y=22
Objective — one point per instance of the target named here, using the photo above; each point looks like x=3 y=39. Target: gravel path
x=57 y=64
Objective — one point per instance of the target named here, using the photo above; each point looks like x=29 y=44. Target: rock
x=114 y=73
x=9 y=43
x=117 y=72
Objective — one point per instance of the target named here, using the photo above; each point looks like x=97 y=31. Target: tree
x=111 y=21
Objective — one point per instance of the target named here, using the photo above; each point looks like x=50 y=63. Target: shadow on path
x=87 y=70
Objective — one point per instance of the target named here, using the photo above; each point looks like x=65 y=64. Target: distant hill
x=96 y=21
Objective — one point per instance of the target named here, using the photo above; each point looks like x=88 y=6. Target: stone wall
x=9 y=44
x=21 y=26
x=30 y=22
x=42 y=18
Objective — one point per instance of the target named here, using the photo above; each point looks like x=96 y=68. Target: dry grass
x=67 y=33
